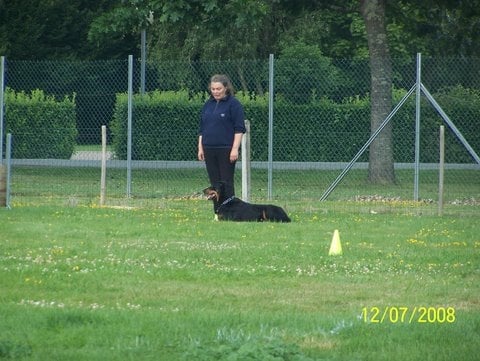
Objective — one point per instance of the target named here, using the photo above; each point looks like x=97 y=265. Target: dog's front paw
x=215 y=218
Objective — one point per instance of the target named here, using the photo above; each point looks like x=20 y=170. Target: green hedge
x=165 y=127
x=41 y=126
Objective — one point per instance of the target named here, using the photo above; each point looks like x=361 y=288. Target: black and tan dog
x=234 y=209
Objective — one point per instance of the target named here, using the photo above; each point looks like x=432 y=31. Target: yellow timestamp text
x=404 y=314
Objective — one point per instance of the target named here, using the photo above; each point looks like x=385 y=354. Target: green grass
x=167 y=283
x=81 y=186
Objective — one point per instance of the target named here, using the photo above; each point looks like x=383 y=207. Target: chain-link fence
x=303 y=135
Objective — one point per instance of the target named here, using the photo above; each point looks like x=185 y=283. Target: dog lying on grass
x=234 y=209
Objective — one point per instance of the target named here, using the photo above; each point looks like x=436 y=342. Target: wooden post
x=3 y=185
x=9 y=169
x=103 y=175
x=441 y=170
x=246 y=163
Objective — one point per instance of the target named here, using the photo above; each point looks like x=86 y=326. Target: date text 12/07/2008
x=403 y=314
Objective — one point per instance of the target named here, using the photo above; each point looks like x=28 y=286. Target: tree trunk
x=380 y=170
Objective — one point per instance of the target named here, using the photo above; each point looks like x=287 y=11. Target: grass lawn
x=81 y=186
x=166 y=282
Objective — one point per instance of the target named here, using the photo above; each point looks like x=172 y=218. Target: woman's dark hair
x=226 y=82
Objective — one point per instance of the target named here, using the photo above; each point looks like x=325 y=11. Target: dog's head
x=211 y=193
x=215 y=192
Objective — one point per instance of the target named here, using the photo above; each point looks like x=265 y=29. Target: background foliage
x=233 y=29
x=44 y=127
x=302 y=132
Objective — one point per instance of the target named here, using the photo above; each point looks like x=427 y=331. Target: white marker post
x=441 y=170
x=103 y=176
x=246 y=163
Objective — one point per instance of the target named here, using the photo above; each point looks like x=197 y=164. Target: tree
x=381 y=168
x=56 y=29
x=303 y=74
x=434 y=27
x=220 y=30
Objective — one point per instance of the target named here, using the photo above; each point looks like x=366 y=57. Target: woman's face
x=218 y=90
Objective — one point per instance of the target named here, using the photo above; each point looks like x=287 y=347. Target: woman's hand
x=237 y=140
x=201 y=155
x=233 y=155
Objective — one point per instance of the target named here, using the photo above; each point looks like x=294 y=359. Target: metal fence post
x=270 y=125
x=417 y=128
x=129 y=126
x=143 y=47
x=2 y=89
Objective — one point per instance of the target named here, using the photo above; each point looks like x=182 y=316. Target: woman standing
x=222 y=125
